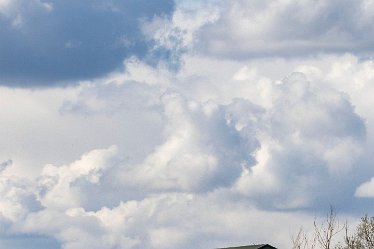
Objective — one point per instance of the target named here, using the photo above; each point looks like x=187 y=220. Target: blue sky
x=182 y=124
x=53 y=42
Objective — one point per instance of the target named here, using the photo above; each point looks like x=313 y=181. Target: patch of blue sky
x=72 y=40
x=29 y=242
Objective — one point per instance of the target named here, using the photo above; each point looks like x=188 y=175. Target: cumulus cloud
x=202 y=149
x=55 y=182
x=47 y=42
x=227 y=158
x=165 y=221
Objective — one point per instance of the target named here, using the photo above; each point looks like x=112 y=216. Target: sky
x=135 y=124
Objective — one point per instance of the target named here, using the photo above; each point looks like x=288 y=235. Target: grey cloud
x=248 y=29
x=5 y=164
x=131 y=97
x=316 y=140
x=55 y=42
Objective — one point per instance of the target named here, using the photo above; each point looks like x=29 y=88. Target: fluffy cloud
x=202 y=150
x=366 y=189
x=47 y=42
x=164 y=221
x=212 y=160
x=55 y=182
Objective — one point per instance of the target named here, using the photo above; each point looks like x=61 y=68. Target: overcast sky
x=137 y=124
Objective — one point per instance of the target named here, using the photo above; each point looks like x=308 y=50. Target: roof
x=262 y=246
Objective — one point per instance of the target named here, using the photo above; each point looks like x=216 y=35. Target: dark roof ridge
x=258 y=246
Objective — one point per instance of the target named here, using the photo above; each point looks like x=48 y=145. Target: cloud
x=55 y=183
x=173 y=37
x=151 y=221
x=303 y=141
x=200 y=163
x=5 y=164
x=202 y=149
x=145 y=154
x=247 y=29
x=165 y=31
x=45 y=43
x=18 y=199
x=366 y=189
x=185 y=123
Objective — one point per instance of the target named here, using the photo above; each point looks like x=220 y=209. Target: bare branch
x=325 y=232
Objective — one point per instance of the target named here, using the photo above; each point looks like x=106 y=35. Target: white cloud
x=14 y=10
x=366 y=189
x=18 y=199
x=178 y=34
x=190 y=163
x=56 y=183
x=199 y=153
x=164 y=221
x=201 y=150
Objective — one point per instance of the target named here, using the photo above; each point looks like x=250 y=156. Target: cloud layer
x=289 y=28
